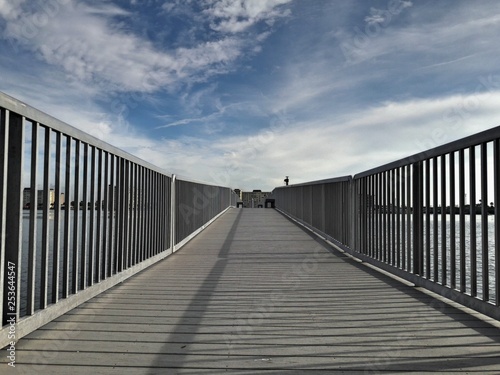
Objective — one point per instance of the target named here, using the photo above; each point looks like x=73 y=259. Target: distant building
x=254 y=199
x=40 y=197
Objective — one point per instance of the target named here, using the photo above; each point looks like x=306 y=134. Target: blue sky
x=244 y=92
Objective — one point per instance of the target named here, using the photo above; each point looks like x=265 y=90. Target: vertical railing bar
x=393 y=217
x=409 y=192
x=496 y=202
x=373 y=234
x=146 y=215
x=168 y=213
x=385 y=228
x=161 y=194
x=359 y=213
x=453 y=243
x=15 y=126
x=4 y=158
x=149 y=223
x=32 y=256
x=131 y=210
x=112 y=215
x=398 y=217
x=154 y=212
x=83 y=248
x=135 y=238
x=106 y=218
x=92 y=223
x=472 y=211
x=377 y=217
x=76 y=220
x=57 y=214
x=380 y=217
x=161 y=202
x=126 y=245
x=152 y=216
x=143 y=214
x=138 y=208
x=366 y=214
x=427 y=218
x=373 y=216
x=484 y=223
x=417 y=218
x=444 y=261
x=44 y=270
x=137 y=213
x=461 y=197
x=404 y=224
x=119 y=247
x=173 y=210
x=358 y=216
x=435 y=226
x=369 y=213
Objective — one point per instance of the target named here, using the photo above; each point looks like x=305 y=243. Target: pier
x=257 y=293
x=163 y=274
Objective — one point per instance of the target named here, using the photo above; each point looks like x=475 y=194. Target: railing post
x=417 y=199
x=352 y=213
x=173 y=210
x=4 y=146
x=14 y=127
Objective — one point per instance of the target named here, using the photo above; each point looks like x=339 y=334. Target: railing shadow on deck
x=209 y=284
x=411 y=218
x=78 y=216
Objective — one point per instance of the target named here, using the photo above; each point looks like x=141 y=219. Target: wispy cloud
x=70 y=36
x=235 y=16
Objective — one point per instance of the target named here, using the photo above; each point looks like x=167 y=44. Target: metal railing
x=431 y=218
x=78 y=216
x=323 y=205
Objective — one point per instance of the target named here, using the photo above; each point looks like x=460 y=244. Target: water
x=90 y=235
x=431 y=250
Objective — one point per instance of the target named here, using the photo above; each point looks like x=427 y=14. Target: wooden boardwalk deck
x=254 y=293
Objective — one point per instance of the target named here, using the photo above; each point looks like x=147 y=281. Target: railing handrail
x=447 y=148
x=319 y=182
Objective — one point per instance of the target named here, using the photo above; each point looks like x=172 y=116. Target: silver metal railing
x=431 y=218
x=78 y=216
x=323 y=205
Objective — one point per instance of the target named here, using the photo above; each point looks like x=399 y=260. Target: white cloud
x=329 y=147
x=235 y=16
x=86 y=42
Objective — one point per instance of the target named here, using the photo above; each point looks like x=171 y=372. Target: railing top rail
x=318 y=182
x=35 y=115
x=195 y=181
x=473 y=140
